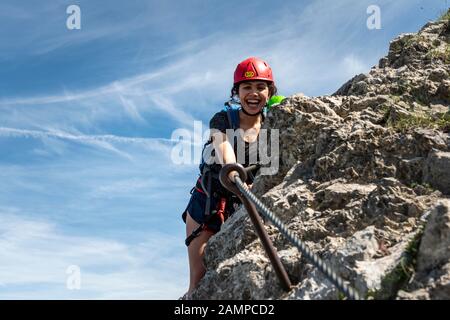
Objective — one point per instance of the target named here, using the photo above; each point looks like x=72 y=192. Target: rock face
x=364 y=180
x=432 y=278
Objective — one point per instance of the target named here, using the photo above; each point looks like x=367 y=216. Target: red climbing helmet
x=253 y=69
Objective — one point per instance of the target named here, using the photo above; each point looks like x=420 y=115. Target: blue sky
x=86 y=176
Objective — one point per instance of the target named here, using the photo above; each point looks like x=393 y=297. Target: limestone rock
x=358 y=172
x=432 y=278
x=437 y=170
x=434 y=249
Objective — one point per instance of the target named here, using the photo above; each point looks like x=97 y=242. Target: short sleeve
x=219 y=121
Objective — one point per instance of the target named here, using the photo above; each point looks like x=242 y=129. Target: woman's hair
x=235 y=90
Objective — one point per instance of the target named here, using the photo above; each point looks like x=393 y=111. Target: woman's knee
x=198 y=244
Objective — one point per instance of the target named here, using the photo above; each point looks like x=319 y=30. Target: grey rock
x=357 y=173
x=315 y=286
x=434 y=250
x=370 y=273
x=437 y=170
x=338 y=195
x=432 y=278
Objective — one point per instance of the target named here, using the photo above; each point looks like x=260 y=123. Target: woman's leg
x=195 y=252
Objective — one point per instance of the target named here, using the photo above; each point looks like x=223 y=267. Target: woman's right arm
x=224 y=150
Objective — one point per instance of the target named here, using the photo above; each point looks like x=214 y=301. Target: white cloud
x=101 y=141
x=352 y=65
x=207 y=64
x=125 y=186
x=167 y=106
x=203 y=71
x=50 y=16
x=36 y=252
x=131 y=109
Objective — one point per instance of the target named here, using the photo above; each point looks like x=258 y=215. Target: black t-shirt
x=220 y=122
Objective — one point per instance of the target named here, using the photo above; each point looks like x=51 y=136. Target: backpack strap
x=233 y=116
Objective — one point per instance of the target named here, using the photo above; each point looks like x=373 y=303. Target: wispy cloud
x=53 y=35
x=125 y=186
x=209 y=61
x=167 y=105
x=129 y=106
x=161 y=145
x=353 y=65
x=101 y=141
x=37 y=252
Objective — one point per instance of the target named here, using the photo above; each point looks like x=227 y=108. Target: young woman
x=252 y=89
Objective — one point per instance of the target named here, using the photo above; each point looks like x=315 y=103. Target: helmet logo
x=249 y=74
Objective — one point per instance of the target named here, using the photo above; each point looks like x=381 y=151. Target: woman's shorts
x=196 y=209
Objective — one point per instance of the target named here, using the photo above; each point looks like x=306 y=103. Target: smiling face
x=254 y=95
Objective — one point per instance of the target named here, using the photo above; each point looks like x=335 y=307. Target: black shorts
x=196 y=209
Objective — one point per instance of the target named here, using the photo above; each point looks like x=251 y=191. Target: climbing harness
x=220 y=212
x=245 y=195
x=208 y=173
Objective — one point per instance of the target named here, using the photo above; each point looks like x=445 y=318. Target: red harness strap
x=199 y=189
x=221 y=209
x=220 y=213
